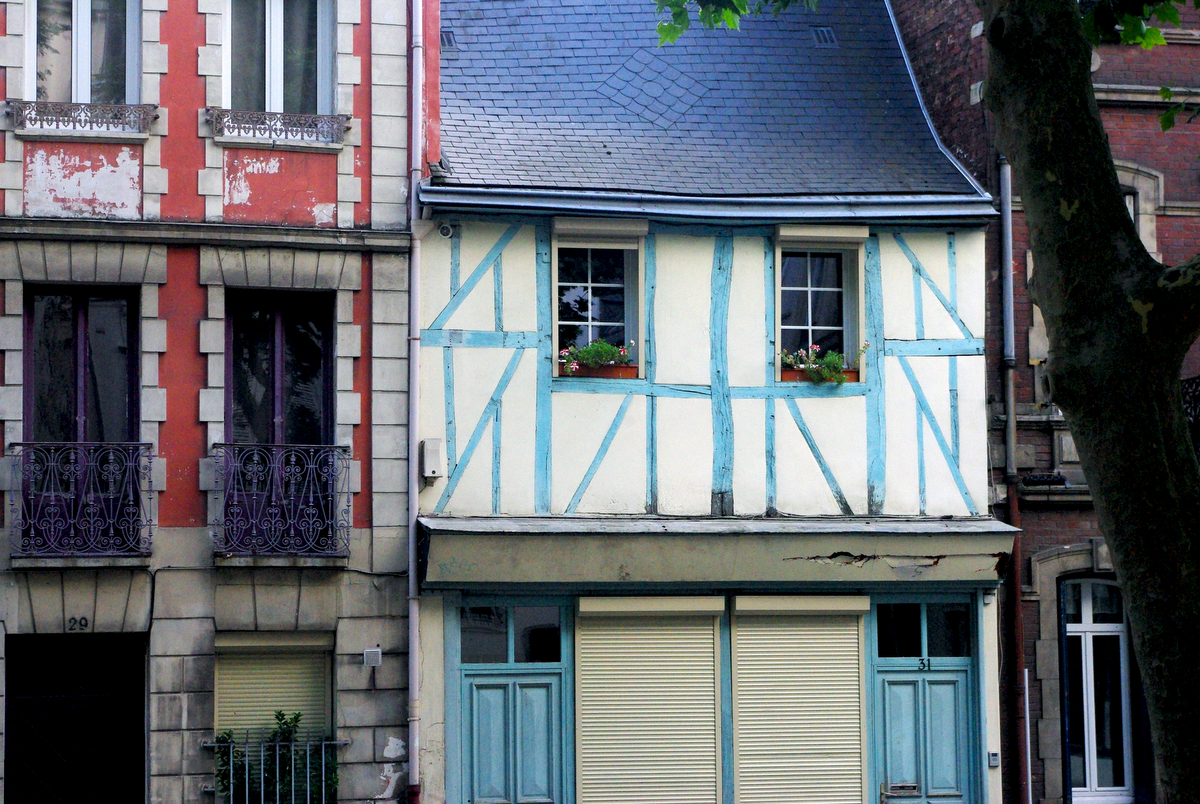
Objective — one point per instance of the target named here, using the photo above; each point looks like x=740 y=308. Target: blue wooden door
x=512 y=739
x=923 y=729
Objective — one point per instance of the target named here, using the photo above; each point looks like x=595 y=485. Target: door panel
x=512 y=738
x=923 y=736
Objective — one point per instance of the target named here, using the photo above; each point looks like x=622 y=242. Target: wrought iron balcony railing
x=301 y=771
x=80 y=500
x=321 y=128
x=113 y=118
x=283 y=500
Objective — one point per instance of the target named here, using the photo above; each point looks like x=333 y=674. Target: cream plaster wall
x=681 y=314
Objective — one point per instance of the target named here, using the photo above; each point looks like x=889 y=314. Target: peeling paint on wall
x=77 y=180
x=280 y=187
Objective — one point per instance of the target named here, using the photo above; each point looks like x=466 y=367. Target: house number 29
x=78 y=624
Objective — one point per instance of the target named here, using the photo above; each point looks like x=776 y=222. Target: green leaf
x=1167 y=118
x=1166 y=12
x=1165 y=93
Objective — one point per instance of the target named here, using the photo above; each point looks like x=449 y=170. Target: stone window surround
x=14 y=51
x=83 y=262
x=347 y=75
x=1046 y=568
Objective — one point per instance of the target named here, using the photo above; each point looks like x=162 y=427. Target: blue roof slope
x=577 y=94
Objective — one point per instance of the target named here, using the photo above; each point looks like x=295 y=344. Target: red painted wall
x=83 y=180
x=280 y=187
x=183 y=301
x=181 y=93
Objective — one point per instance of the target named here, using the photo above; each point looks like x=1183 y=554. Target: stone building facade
x=204 y=256
x=1064 y=552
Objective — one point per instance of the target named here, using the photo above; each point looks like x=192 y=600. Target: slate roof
x=577 y=94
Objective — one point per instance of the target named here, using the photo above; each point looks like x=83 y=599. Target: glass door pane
x=106 y=373
x=306 y=331
x=300 y=56
x=249 y=55
x=54 y=42
x=54 y=363
x=1110 y=730
x=1076 y=717
x=108 y=51
x=251 y=396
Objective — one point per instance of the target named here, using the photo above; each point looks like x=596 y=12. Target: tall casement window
x=1096 y=692
x=87 y=51
x=812 y=301
x=281 y=56
x=81 y=365
x=279 y=377
x=597 y=296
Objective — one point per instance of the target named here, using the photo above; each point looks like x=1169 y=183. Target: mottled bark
x=1119 y=325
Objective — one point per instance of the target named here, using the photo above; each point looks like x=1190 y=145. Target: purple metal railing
x=58 y=116
x=80 y=500
x=283 y=500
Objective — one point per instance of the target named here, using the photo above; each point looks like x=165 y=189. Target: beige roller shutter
x=648 y=712
x=798 y=728
x=250 y=687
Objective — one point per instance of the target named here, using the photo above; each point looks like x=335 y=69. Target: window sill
x=797 y=375
x=73 y=135
x=82 y=562
x=628 y=372
x=305 y=562
x=278 y=145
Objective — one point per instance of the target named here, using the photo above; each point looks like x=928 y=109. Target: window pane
x=573 y=303
x=537 y=634
x=306 y=331
x=608 y=305
x=826 y=270
x=899 y=627
x=792 y=339
x=54 y=37
x=300 y=56
x=572 y=265
x=948 y=629
x=793 y=309
x=826 y=308
x=1106 y=604
x=108 y=51
x=107 y=375
x=830 y=340
x=1076 y=732
x=608 y=266
x=251 y=397
x=612 y=334
x=572 y=335
x=53 y=368
x=484 y=635
x=248 y=55
x=1110 y=748
x=795 y=270
x=1072 y=602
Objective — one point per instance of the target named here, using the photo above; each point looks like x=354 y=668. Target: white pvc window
x=1096 y=693
x=280 y=57
x=84 y=51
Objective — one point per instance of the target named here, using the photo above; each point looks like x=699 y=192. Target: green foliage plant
x=595 y=354
x=827 y=367
x=291 y=769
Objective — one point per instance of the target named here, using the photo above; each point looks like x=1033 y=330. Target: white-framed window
x=84 y=51
x=280 y=56
x=817 y=282
x=1096 y=692
x=596 y=267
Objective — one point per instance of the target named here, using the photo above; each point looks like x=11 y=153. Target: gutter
x=883 y=209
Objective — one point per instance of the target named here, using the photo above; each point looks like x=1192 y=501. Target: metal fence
x=330 y=128
x=283 y=500
x=290 y=772
x=80 y=499
x=61 y=116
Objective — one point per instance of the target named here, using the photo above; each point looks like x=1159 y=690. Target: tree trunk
x=1119 y=325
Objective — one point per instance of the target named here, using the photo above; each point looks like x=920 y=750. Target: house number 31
x=923 y=664
x=78 y=624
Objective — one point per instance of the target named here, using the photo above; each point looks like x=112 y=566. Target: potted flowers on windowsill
x=597 y=359
x=812 y=366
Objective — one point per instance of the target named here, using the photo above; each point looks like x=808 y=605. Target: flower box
x=799 y=375
x=613 y=372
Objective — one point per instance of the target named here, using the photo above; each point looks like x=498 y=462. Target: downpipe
x=1018 y=711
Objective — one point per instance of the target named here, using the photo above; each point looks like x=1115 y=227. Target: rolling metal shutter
x=798 y=729
x=648 y=717
x=250 y=687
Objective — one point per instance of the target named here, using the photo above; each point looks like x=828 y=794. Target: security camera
x=445 y=230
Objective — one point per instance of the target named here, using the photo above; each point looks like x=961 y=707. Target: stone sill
x=303 y=562
x=90 y=562
x=68 y=135
x=278 y=145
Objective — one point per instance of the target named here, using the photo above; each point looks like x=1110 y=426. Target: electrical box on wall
x=431 y=459
x=373 y=657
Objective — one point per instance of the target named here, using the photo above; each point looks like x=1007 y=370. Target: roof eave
x=871 y=209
